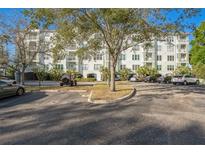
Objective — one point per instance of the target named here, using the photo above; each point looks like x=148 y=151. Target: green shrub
x=182 y=70
x=124 y=74
x=105 y=73
x=56 y=74
x=85 y=79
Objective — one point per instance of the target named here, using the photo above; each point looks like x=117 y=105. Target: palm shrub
x=41 y=74
x=144 y=71
x=56 y=74
x=182 y=70
x=124 y=74
x=105 y=73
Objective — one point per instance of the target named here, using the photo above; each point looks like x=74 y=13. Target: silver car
x=9 y=89
x=185 y=80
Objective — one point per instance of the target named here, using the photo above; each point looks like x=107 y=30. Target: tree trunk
x=108 y=81
x=112 y=72
x=22 y=76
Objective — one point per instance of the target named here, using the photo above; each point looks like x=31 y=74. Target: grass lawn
x=36 y=88
x=101 y=91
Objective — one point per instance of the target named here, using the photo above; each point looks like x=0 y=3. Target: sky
x=12 y=12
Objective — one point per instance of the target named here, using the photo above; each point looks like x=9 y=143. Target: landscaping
x=101 y=91
x=64 y=88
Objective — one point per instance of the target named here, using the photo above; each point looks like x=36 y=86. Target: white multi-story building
x=165 y=55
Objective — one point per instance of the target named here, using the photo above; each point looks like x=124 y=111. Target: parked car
x=117 y=77
x=133 y=78
x=150 y=79
x=6 y=79
x=185 y=79
x=69 y=80
x=9 y=89
x=164 y=79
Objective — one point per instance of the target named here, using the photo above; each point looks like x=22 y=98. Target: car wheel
x=20 y=92
x=185 y=83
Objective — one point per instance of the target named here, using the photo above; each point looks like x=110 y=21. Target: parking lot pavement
x=158 y=114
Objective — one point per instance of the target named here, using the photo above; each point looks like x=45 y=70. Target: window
x=97 y=66
x=47 y=66
x=98 y=57
x=122 y=66
x=170 y=39
x=46 y=57
x=136 y=48
x=183 y=46
x=71 y=56
x=170 y=48
x=170 y=58
x=85 y=67
x=159 y=67
x=135 y=57
x=159 y=57
x=122 y=57
x=170 y=67
x=159 y=48
x=32 y=45
x=148 y=56
x=32 y=36
x=135 y=67
x=59 y=66
x=2 y=83
x=182 y=37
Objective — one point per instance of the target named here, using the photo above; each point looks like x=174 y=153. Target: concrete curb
x=53 y=91
x=131 y=94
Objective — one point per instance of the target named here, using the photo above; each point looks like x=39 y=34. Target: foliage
x=198 y=45
x=104 y=73
x=85 y=79
x=10 y=71
x=124 y=74
x=182 y=70
x=41 y=74
x=199 y=70
x=144 y=71
x=115 y=29
x=55 y=74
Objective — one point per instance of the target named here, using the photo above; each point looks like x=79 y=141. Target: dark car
x=166 y=79
x=9 y=89
x=68 y=79
x=150 y=79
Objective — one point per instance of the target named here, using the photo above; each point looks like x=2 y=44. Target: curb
x=131 y=94
x=53 y=91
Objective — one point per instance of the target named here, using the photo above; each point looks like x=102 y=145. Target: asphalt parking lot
x=158 y=114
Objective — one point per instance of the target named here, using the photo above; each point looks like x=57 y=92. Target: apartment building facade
x=164 y=55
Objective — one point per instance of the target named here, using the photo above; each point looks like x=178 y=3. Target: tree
x=55 y=74
x=182 y=70
x=199 y=70
x=104 y=73
x=198 y=45
x=18 y=29
x=144 y=71
x=114 y=29
x=3 y=53
x=41 y=73
x=124 y=74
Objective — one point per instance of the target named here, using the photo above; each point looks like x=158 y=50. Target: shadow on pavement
x=17 y=100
